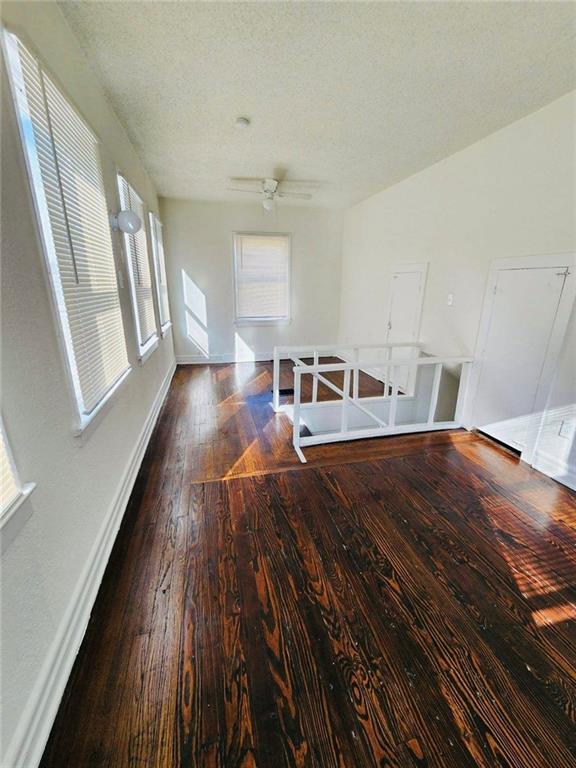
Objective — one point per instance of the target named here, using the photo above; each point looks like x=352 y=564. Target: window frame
x=24 y=489
x=147 y=348
x=153 y=223
x=271 y=320
x=43 y=228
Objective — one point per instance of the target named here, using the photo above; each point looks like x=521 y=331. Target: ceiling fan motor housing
x=269 y=186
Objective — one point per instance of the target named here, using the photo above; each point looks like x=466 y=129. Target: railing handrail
x=375 y=364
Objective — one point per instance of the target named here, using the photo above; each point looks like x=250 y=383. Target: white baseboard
x=30 y=737
x=555 y=468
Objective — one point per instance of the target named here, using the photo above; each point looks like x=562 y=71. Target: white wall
x=555 y=451
x=49 y=545
x=511 y=194
x=198 y=242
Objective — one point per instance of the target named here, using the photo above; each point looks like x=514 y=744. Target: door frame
x=422 y=268
x=565 y=260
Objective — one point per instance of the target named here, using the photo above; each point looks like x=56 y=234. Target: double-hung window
x=262 y=277
x=139 y=273
x=160 y=271
x=12 y=492
x=63 y=161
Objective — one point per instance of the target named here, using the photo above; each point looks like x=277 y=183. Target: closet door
x=524 y=308
x=406 y=299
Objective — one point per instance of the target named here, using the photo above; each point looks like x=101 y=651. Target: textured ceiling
x=353 y=95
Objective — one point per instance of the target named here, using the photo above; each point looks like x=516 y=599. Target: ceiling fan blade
x=244 y=179
x=301 y=195
x=248 y=191
x=301 y=182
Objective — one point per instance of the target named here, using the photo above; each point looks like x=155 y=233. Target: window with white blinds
x=12 y=492
x=160 y=270
x=139 y=270
x=9 y=485
x=64 y=166
x=262 y=277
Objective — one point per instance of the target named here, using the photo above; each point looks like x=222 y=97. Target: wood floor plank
x=465 y=556
x=477 y=681
x=293 y=644
x=408 y=603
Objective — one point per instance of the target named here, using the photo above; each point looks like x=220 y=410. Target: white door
x=406 y=297
x=524 y=308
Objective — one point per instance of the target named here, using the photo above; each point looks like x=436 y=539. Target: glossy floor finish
x=407 y=601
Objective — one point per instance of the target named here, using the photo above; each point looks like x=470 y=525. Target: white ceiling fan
x=268 y=189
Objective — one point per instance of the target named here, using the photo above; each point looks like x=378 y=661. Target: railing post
x=412 y=370
x=356 y=378
x=394 y=400
x=276 y=381
x=345 y=401
x=315 y=379
x=464 y=383
x=296 y=414
x=387 y=376
x=435 y=391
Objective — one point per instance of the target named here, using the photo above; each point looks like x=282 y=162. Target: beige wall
x=198 y=241
x=511 y=194
x=49 y=544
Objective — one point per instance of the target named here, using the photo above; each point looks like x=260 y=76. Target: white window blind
x=160 y=270
x=9 y=485
x=262 y=272
x=139 y=270
x=12 y=492
x=64 y=164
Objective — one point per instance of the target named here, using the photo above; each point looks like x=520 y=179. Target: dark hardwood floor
x=403 y=602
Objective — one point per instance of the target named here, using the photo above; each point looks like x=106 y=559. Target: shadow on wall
x=196 y=315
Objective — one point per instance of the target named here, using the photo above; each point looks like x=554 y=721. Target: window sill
x=11 y=510
x=147 y=349
x=88 y=420
x=264 y=321
x=165 y=328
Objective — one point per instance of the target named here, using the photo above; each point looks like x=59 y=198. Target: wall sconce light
x=126 y=221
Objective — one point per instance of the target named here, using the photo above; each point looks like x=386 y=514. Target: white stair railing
x=334 y=350
x=418 y=407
